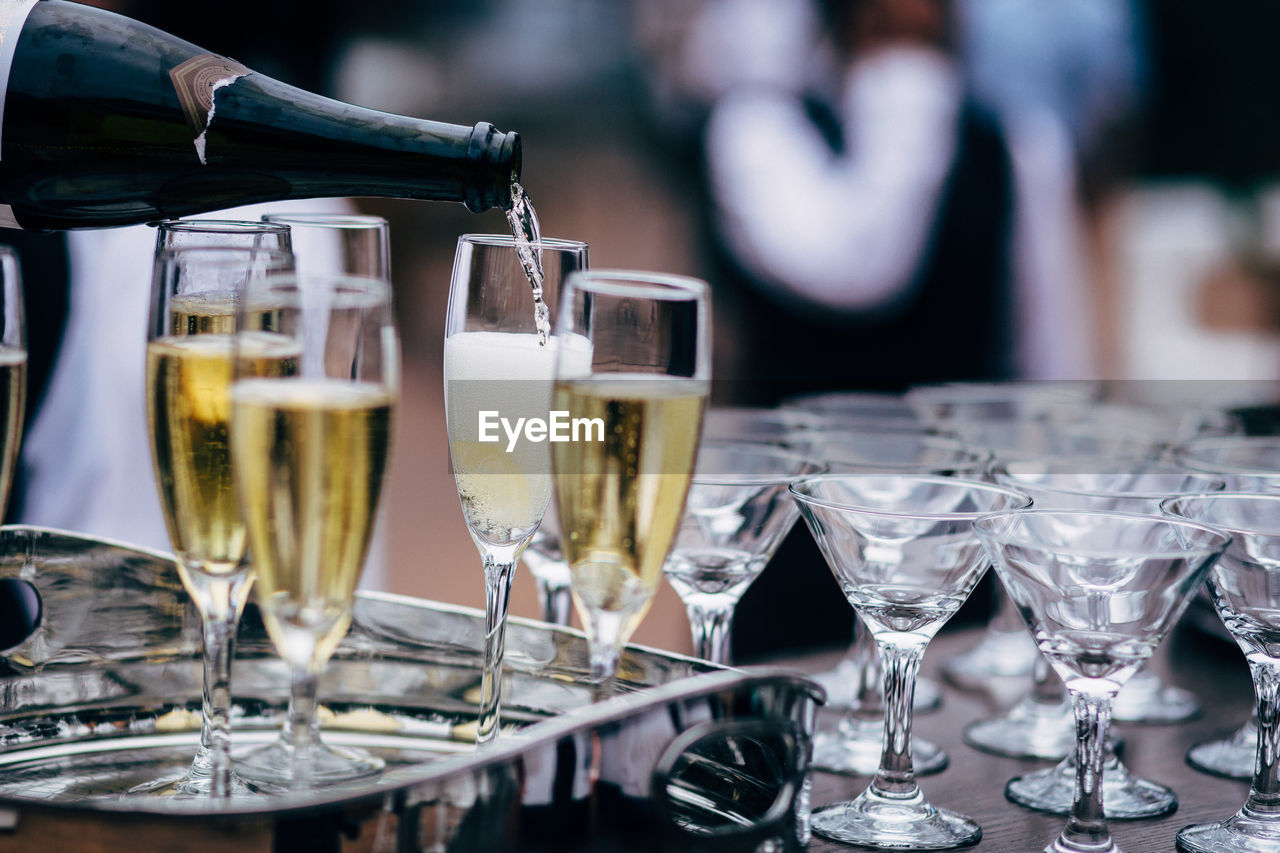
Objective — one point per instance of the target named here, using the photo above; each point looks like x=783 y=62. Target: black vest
x=955 y=324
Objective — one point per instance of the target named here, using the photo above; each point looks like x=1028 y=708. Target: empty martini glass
x=903 y=550
x=856 y=744
x=1099 y=591
x=1244 y=588
x=1001 y=417
x=1087 y=483
x=736 y=514
x=1247 y=464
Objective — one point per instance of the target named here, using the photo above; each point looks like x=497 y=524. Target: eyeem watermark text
x=557 y=427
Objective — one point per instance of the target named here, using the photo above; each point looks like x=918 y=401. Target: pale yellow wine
x=13 y=397
x=620 y=499
x=189 y=414
x=309 y=458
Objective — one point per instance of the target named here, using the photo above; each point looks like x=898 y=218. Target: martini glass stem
x=1086 y=828
x=712 y=623
x=1264 y=794
x=900 y=656
x=497 y=596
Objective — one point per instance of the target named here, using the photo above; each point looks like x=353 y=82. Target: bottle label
x=195 y=81
x=13 y=14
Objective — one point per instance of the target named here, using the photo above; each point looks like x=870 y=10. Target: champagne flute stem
x=900 y=656
x=302 y=726
x=220 y=601
x=497 y=595
x=556 y=601
x=1264 y=794
x=1086 y=828
x=712 y=623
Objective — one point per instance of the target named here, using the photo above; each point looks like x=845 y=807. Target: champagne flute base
x=1243 y=832
x=1232 y=757
x=1124 y=795
x=197 y=783
x=271 y=767
x=856 y=747
x=895 y=823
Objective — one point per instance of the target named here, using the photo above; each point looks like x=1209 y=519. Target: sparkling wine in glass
x=1099 y=591
x=498 y=371
x=903 y=550
x=195 y=295
x=309 y=450
x=621 y=483
x=337 y=244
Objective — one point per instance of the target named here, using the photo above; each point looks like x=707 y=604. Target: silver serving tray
x=100 y=686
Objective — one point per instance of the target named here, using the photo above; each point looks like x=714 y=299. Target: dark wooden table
x=973 y=784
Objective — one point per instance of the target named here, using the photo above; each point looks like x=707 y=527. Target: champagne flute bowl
x=736 y=514
x=329 y=243
x=498 y=368
x=903 y=550
x=1099 y=591
x=195 y=294
x=621 y=484
x=309 y=449
x=1244 y=588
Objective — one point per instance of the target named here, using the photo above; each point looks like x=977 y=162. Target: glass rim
x=764 y=448
x=972 y=485
x=1184 y=453
x=350 y=221
x=659 y=286
x=1223 y=497
x=508 y=241
x=968 y=393
x=1002 y=469
x=222 y=226
x=986 y=526
x=967 y=455
x=226 y=252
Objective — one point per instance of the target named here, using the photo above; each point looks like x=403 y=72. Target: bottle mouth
x=499 y=157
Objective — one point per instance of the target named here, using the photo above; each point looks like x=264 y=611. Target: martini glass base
x=271 y=767
x=192 y=786
x=1030 y=730
x=999 y=654
x=1147 y=699
x=856 y=746
x=1231 y=757
x=1124 y=795
x=840 y=679
x=1240 y=833
x=889 y=823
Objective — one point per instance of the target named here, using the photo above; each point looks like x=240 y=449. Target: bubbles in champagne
x=528 y=237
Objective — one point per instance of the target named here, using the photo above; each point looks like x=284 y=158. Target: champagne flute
x=338 y=243
x=13 y=370
x=621 y=483
x=309 y=449
x=498 y=369
x=188 y=377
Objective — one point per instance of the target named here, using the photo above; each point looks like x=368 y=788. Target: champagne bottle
x=106 y=121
